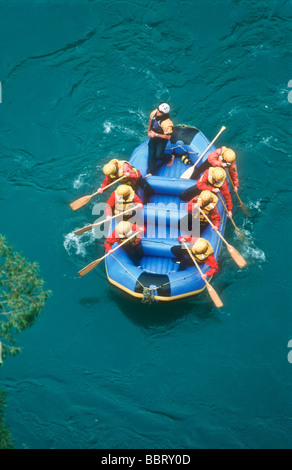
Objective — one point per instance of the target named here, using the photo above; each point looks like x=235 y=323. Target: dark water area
x=100 y=370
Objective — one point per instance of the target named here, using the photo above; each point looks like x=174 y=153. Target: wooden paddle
x=213 y=294
x=240 y=233
x=89 y=227
x=188 y=173
x=240 y=261
x=85 y=199
x=242 y=206
x=95 y=263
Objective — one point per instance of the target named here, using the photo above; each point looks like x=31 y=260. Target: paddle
x=240 y=233
x=89 y=227
x=188 y=173
x=213 y=294
x=240 y=261
x=85 y=199
x=95 y=263
x=242 y=206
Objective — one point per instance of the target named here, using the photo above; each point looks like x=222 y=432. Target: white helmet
x=164 y=108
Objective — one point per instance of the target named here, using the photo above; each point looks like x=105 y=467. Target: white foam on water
x=79 y=181
x=255 y=205
x=107 y=127
x=76 y=244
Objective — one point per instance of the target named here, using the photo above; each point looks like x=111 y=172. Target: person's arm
x=137 y=200
x=227 y=196
x=213 y=158
x=130 y=173
x=202 y=183
x=215 y=218
x=110 y=241
x=234 y=175
x=110 y=205
x=214 y=268
x=106 y=181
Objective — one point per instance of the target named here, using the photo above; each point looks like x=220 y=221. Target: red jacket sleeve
x=227 y=196
x=110 y=204
x=137 y=200
x=190 y=204
x=127 y=167
x=233 y=174
x=215 y=217
x=135 y=228
x=202 y=182
x=109 y=242
x=214 y=268
x=213 y=158
x=106 y=181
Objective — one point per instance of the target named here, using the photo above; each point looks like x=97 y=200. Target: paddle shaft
x=213 y=294
x=89 y=227
x=212 y=225
x=236 y=228
x=115 y=181
x=92 y=265
x=209 y=146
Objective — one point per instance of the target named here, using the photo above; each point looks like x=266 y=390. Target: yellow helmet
x=124 y=228
x=228 y=155
x=206 y=196
x=200 y=246
x=218 y=173
x=123 y=190
x=109 y=169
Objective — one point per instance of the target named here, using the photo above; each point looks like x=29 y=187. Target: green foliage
x=6 y=441
x=22 y=296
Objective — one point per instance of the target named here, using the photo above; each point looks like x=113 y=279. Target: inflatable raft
x=158 y=274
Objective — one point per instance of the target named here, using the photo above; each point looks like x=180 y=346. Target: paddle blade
x=82 y=230
x=240 y=261
x=80 y=202
x=240 y=234
x=89 y=267
x=214 y=296
x=188 y=173
x=245 y=210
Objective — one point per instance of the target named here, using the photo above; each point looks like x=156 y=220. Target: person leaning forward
x=159 y=130
x=122 y=199
x=202 y=251
x=116 y=169
x=223 y=157
x=123 y=231
x=214 y=180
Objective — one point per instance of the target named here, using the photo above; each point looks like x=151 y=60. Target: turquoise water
x=99 y=370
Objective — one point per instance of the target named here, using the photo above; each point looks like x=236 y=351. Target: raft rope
x=148 y=295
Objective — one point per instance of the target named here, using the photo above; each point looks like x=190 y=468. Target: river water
x=100 y=370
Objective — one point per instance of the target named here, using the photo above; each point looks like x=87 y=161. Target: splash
x=76 y=245
x=79 y=181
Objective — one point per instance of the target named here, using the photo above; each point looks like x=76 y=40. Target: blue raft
x=158 y=273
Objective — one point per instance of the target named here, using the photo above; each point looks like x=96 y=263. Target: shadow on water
x=159 y=314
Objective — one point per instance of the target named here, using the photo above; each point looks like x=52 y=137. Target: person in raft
x=214 y=180
x=223 y=157
x=201 y=250
x=116 y=169
x=123 y=231
x=159 y=130
x=122 y=199
x=207 y=202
